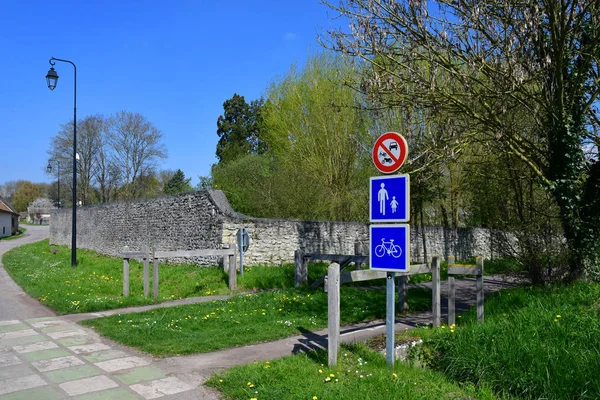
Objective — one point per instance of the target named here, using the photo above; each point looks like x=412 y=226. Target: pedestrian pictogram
x=390 y=152
x=390 y=198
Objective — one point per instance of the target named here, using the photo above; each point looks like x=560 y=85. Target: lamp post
x=51 y=80
x=49 y=170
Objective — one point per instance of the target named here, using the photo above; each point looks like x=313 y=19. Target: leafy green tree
x=178 y=183
x=317 y=160
x=503 y=58
x=25 y=194
x=239 y=129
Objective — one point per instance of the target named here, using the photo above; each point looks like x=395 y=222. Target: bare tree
x=89 y=139
x=106 y=173
x=498 y=60
x=137 y=148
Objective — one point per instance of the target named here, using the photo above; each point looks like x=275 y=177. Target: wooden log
x=403 y=293
x=136 y=255
x=451 y=301
x=337 y=258
x=146 y=272
x=416 y=269
x=436 y=292
x=464 y=271
x=154 y=276
x=362 y=275
x=333 y=313
x=298 y=268
x=357 y=252
x=194 y=253
x=125 y=274
x=232 y=273
x=480 y=290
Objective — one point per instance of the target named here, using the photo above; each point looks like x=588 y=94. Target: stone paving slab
x=51 y=358
x=28 y=348
x=88 y=385
x=21 y=383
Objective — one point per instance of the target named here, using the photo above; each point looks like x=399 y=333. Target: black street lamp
x=52 y=80
x=49 y=170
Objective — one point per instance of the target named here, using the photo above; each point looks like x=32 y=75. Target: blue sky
x=174 y=62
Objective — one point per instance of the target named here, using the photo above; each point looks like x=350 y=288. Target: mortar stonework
x=205 y=220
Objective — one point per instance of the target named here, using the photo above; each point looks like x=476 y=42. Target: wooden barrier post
x=451 y=294
x=435 y=291
x=146 y=271
x=333 y=311
x=357 y=252
x=232 y=272
x=154 y=275
x=126 y=273
x=480 y=290
x=403 y=292
x=301 y=275
x=226 y=262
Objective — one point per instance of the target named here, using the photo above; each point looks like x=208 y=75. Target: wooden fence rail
x=461 y=269
x=146 y=255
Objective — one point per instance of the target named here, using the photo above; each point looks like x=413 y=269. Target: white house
x=9 y=219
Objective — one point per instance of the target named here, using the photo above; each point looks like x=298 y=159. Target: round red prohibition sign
x=389 y=152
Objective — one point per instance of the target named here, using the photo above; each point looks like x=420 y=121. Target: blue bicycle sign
x=388 y=247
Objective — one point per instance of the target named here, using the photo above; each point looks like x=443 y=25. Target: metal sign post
x=243 y=244
x=390 y=320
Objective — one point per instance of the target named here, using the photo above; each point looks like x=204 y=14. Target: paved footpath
x=43 y=356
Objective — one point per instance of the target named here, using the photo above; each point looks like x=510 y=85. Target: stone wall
x=181 y=222
x=205 y=220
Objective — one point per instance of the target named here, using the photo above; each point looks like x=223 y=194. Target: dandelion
x=394 y=375
x=320 y=371
x=555 y=320
x=558 y=316
x=332 y=375
x=220 y=380
x=327 y=379
x=315 y=398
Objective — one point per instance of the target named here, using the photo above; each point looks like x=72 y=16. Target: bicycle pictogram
x=388 y=247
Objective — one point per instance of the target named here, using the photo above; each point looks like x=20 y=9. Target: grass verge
x=360 y=374
x=243 y=320
x=536 y=342
x=45 y=273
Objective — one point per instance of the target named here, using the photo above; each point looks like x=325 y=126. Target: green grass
x=360 y=374
x=96 y=284
x=536 y=342
x=18 y=235
x=243 y=319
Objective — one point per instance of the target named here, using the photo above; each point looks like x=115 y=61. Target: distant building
x=38 y=211
x=9 y=219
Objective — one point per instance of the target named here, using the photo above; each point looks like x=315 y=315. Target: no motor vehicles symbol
x=389 y=152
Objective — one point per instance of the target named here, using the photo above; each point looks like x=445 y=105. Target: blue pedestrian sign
x=390 y=247
x=389 y=198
